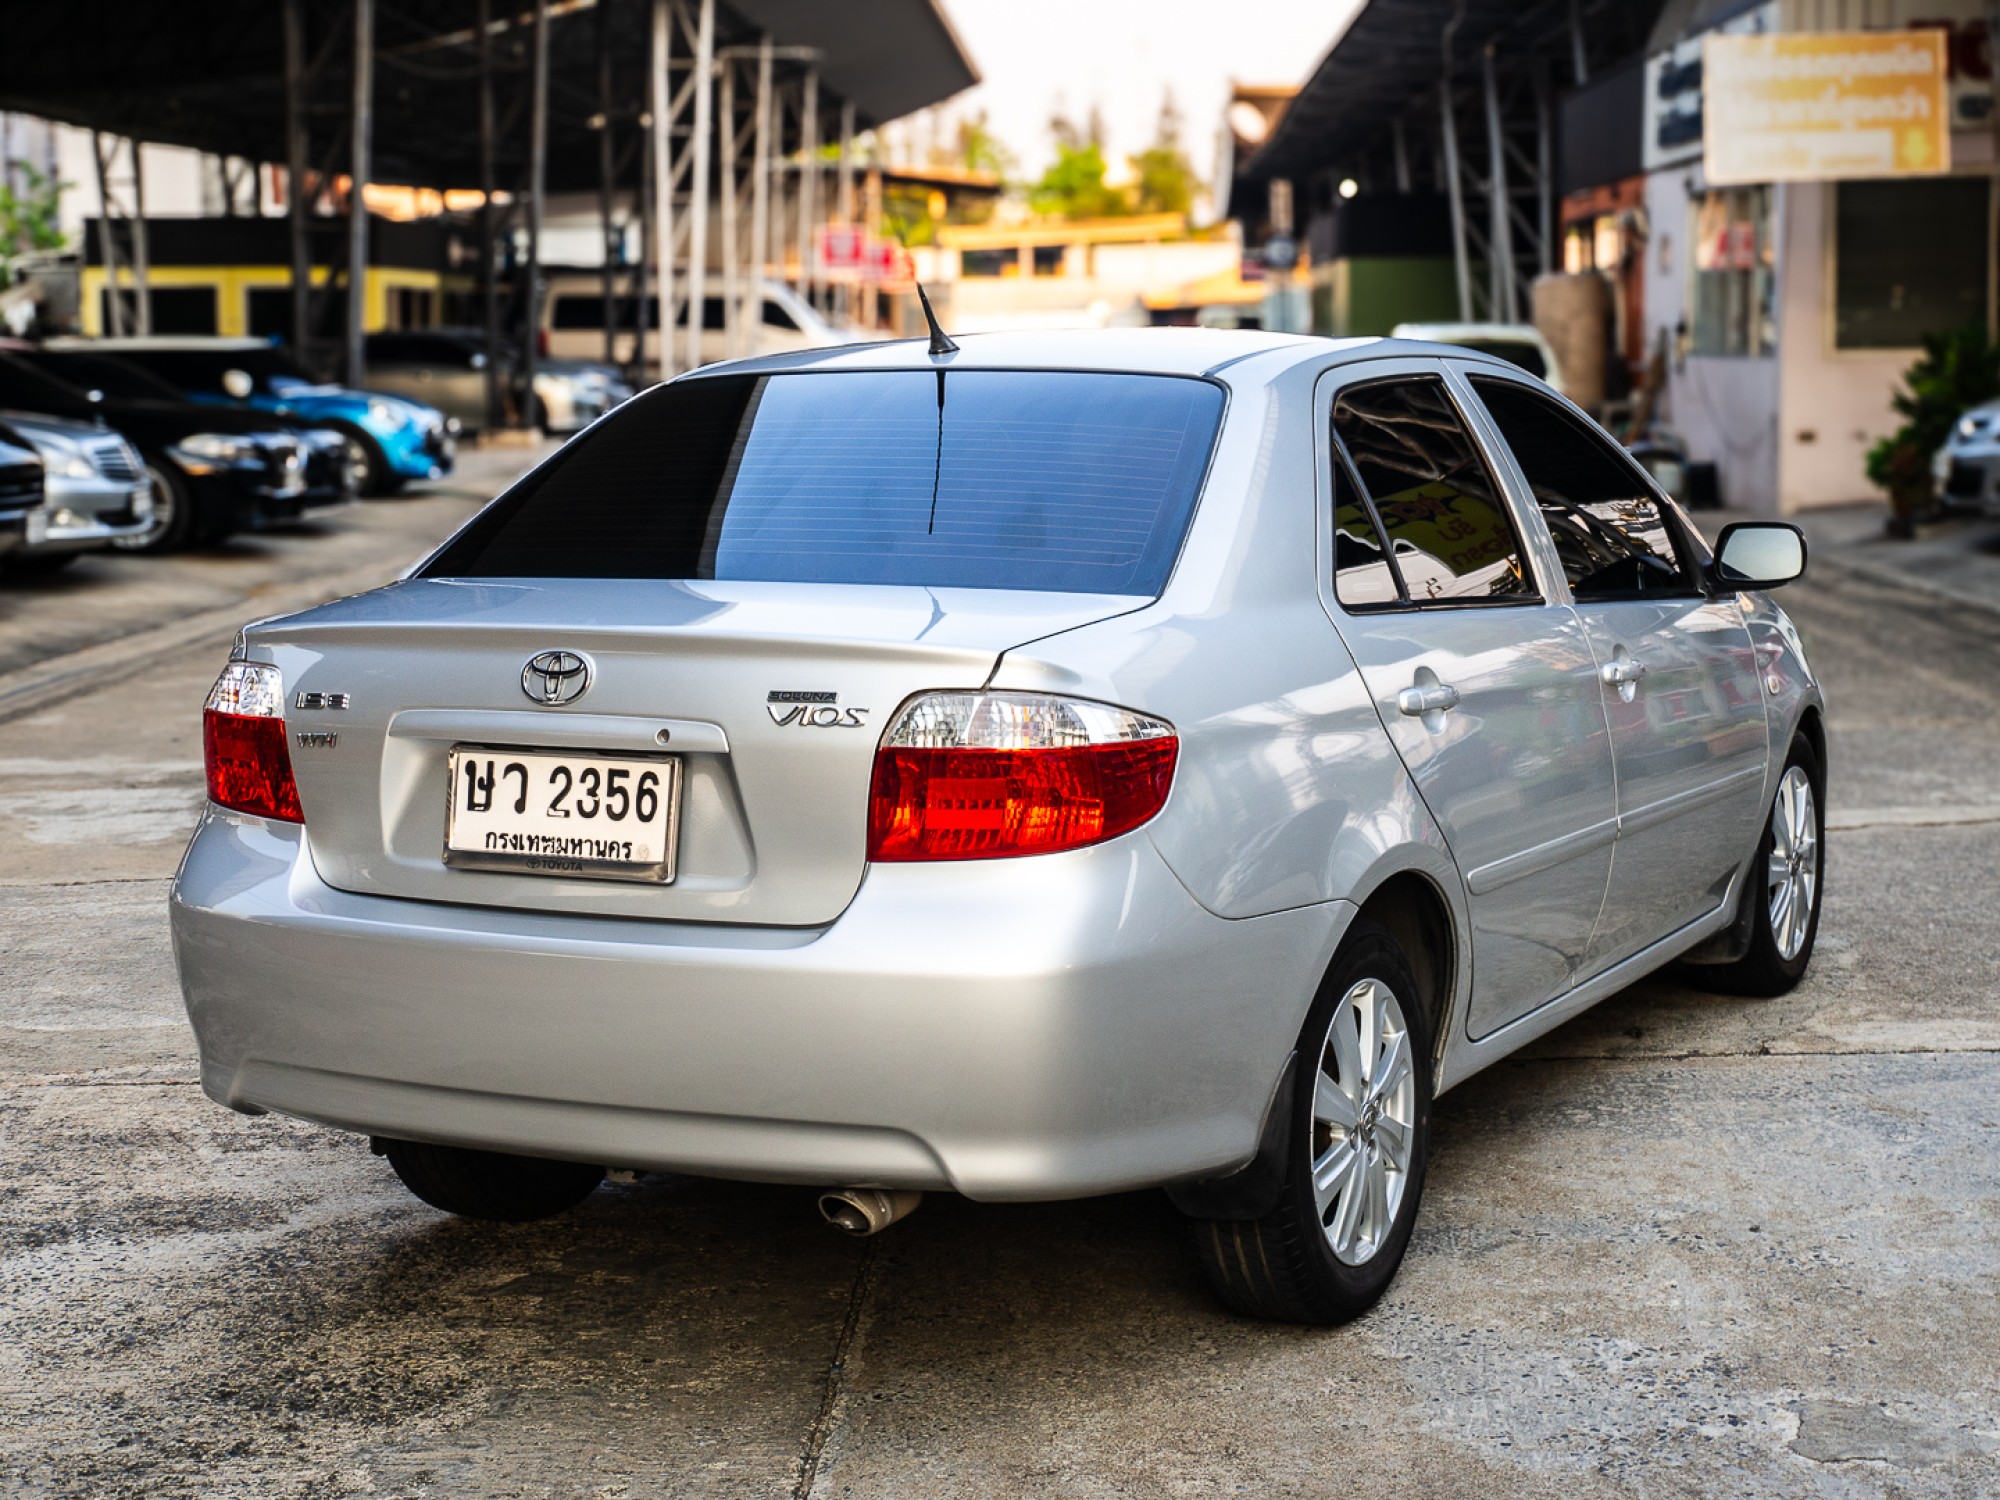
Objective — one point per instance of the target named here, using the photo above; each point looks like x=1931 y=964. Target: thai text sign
x=1807 y=106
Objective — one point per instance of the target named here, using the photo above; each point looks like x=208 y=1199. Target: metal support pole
x=1400 y=141
x=808 y=185
x=609 y=235
x=297 y=146
x=704 y=130
x=1500 y=234
x=644 y=298
x=1545 y=180
x=107 y=242
x=357 y=207
x=1579 y=63
x=538 y=171
x=660 y=93
x=844 y=183
x=142 y=265
x=732 y=306
x=1455 y=191
x=489 y=252
x=760 y=198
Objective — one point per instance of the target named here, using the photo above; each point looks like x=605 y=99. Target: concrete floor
x=1683 y=1246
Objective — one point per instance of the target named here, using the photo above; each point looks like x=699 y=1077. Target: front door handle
x=1624 y=672
x=1435 y=699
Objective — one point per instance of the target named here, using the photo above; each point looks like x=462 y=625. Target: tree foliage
x=28 y=217
x=1073 y=187
x=1957 y=370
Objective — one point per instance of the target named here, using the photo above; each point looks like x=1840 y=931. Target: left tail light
x=996 y=775
x=243 y=743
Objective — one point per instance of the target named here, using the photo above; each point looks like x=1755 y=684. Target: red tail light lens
x=993 y=775
x=243 y=744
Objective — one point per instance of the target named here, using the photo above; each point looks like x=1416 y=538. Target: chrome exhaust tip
x=865 y=1211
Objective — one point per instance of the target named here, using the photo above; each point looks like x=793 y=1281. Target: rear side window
x=1610 y=530
x=1061 y=481
x=1449 y=533
x=1361 y=572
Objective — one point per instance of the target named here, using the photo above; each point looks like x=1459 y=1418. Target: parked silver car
x=97 y=487
x=1059 y=765
x=1967 y=467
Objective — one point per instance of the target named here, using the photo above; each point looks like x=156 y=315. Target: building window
x=1005 y=262
x=1730 y=302
x=1049 y=260
x=1910 y=258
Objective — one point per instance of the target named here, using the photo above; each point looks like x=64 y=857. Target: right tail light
x=243 y=744
x=994 y=775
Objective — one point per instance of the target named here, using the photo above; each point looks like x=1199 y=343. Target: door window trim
x=1337 y=380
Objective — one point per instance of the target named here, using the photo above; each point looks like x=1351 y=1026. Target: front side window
x=1059 y=481
x=1610 y=530
x=1448 y=530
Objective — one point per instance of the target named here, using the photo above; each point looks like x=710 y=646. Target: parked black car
x=21 y=499
x=214 y=471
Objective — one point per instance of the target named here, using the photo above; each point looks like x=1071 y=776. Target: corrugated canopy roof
x=209 y=74
x=1392 y=52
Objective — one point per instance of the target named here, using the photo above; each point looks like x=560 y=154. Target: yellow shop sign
x=1808 y=106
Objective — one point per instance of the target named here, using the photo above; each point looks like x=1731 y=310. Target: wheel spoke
x=1391 y=1068
x=1332 y=1106
x=1394 y=1138
x=1346 y=1044
x=1378 y=1203
x=1347 y=1216
x=1332 y=1172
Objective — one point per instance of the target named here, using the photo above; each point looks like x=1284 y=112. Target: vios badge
x=553 y=677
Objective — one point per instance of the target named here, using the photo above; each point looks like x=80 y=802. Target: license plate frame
x=561 y=864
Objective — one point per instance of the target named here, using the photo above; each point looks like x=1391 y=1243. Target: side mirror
x=238 y=384
x=1758 y=555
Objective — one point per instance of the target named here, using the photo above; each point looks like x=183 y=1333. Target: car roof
x=1139 y=351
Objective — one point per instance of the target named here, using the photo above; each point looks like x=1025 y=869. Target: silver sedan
x=1058 y=765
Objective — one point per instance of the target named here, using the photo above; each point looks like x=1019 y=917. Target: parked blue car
x=395 y=439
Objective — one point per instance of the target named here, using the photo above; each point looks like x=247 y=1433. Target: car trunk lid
x=735 y=679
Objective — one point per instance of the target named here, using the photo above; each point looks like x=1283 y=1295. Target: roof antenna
x=940 y=340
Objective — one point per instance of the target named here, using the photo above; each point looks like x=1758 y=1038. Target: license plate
x=597 y=817
x=38 y=527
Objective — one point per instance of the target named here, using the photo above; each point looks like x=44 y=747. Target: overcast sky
x=1036 y=55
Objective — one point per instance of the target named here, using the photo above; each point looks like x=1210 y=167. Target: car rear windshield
x=1063 y=481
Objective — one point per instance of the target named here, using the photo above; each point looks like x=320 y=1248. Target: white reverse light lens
x=1016 y=721
x=248 y=689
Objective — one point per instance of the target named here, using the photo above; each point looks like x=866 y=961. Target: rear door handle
x=1418 y=701
x=1621 y=673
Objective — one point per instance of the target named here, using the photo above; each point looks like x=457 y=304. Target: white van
x=573 y=321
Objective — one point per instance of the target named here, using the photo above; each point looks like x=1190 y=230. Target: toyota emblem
x=553 y=677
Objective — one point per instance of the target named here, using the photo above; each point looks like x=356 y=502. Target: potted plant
x=1957 y=370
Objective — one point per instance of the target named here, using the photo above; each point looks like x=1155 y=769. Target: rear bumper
x=1036 y=1028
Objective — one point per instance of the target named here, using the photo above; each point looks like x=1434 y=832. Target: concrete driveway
x=1684 y=1246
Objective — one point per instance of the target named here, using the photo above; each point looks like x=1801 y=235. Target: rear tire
x=1790 y=857
x=490 y=1184
x=1326 y=1255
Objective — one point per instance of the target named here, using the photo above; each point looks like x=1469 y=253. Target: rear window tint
x=1060 y=481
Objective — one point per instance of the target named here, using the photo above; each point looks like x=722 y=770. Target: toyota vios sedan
x=1053 y=766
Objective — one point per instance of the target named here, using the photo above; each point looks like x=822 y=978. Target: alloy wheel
x=1363 y=1121
x=1792 y=874
x=166 y=504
